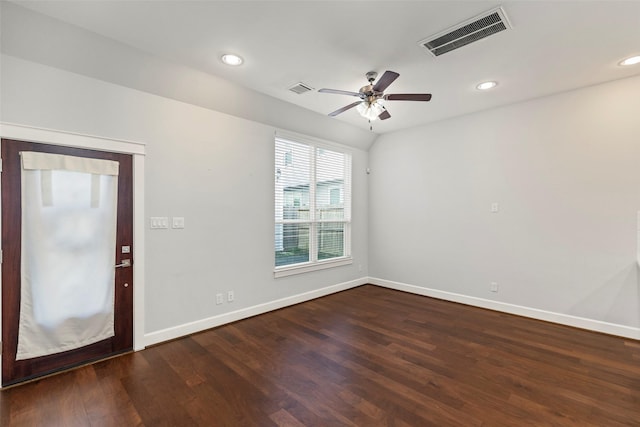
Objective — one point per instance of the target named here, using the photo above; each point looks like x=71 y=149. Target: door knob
x=124 y=263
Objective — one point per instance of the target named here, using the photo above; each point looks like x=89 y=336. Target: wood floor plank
x=368 y=356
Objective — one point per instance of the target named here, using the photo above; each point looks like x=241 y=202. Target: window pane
x=312 y=203
x=330 y=240
x=292 y=180
x=68 y=245
x=293 y=176
x=295 y=244
x=330 y=173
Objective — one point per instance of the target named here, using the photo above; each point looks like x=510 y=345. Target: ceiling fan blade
x=384 y=115
x=383 y=82
x=340 y=92
x=343 y=109
x=408 y=97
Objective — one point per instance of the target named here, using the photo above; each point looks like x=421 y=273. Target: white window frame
x=314 y=264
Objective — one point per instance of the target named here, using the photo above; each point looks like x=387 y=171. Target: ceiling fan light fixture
x=370 y=111
x=231 y=59
x=487 y=85
x=633 y=60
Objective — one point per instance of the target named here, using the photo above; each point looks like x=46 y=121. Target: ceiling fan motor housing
x=366 y=90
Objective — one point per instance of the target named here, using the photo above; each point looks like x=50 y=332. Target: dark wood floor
x=364 y=357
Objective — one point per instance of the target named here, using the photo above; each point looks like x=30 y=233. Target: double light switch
x=156 y=222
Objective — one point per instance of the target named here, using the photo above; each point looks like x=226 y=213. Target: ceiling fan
x=369 y=105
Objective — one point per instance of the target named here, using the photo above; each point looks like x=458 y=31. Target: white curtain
x=69 y=207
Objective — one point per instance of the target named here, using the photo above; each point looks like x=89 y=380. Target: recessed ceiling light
x=486 y=85
x=631 y=61
x=231 y=59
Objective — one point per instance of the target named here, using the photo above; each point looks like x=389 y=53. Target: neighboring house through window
x=312 y=205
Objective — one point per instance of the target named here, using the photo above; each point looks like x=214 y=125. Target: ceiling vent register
x=300 y=88
x=469 y=31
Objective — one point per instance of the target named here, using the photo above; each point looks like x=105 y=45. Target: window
x=312 y=206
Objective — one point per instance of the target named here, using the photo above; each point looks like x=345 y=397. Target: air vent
x=300 y=88
x=467 y=32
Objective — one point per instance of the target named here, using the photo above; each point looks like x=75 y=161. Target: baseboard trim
x=233 y=316
x=548 y=316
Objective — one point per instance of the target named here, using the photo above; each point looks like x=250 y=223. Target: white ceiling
x=554 y=46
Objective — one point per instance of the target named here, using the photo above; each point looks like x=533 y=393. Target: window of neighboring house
x=288 y=158
x=334 y=196
x=312 y=206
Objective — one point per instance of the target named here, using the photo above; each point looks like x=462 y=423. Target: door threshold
x=69 y=368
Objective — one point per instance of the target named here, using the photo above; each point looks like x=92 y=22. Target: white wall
x=39 y=38
x=564 y=170
x=209 y=159
x=214 y=169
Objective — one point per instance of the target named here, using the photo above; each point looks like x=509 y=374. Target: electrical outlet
x=230 y=296
x=494 y=287
x=219 y=299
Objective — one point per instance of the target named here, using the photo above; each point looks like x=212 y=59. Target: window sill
x=307 y=267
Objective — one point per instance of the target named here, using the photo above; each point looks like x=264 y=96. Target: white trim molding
x=224 y=318
x=69 y=139
x=534 y=313
x=139 y=225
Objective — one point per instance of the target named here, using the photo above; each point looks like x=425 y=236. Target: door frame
x=137 y=150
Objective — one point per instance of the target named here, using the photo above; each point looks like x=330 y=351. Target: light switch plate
x=159 y=222
x=177 y=222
